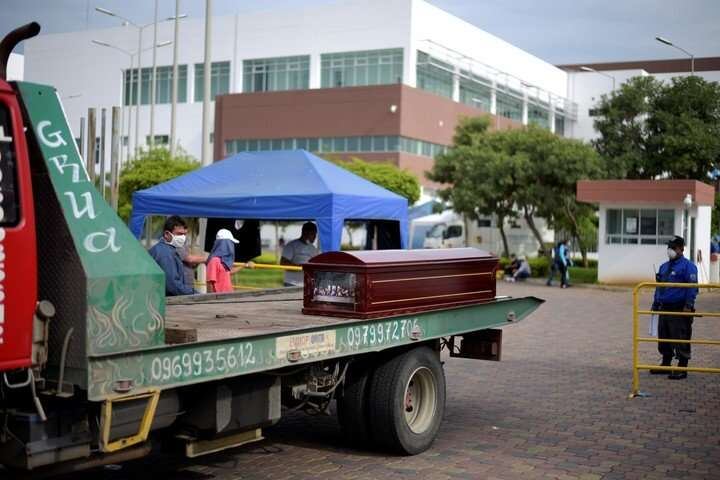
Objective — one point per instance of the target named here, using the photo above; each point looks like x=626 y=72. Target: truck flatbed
x=215 y=317
x=242 y=333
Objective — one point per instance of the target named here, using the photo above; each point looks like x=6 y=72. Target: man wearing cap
x=675 y=299
x=221 y=263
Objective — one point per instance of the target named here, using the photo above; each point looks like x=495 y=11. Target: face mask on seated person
x=672 y=254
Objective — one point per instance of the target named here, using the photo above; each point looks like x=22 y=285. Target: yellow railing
x=272 y=266
x=637 y=339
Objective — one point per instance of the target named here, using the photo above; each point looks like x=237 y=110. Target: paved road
x=555 y=407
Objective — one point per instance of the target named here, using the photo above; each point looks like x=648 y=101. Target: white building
x=437 y=52
x=587 y=87
x=15 y=67
x=638 y=217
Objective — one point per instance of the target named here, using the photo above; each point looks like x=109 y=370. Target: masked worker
x=299 y=251
x=675 y=299
x=166 y=254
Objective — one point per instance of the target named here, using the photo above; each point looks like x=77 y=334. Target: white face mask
x=177 y=241
x=672 y=254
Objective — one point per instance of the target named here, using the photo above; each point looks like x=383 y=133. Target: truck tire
x=352 y=404
x=407 y=401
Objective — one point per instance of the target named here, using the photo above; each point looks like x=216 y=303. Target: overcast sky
x=558 y=31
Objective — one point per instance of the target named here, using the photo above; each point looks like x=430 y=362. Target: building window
x=434 y=75
x=475 y=91
x=365 y=144
x=163 y=85
x=159 y=140
x=351 y=69
x=219 y=80
x=559 y=125
x=509 y=105
x=639 y=226
x=538 y=115
x=275 y=74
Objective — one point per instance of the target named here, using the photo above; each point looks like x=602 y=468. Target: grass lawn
x=253 y=279
x=583 y=275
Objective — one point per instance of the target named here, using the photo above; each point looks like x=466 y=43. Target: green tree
x=649 y=128
x=476 y=174
x=387 y=176
x=148 y=169
x=526 y=172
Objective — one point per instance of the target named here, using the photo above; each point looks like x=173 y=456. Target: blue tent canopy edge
x=274 y=185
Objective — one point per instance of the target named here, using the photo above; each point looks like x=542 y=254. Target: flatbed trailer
x=97 y=367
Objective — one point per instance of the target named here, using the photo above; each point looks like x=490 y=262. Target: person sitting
x=221 y=263
x=512 y=266
x=523 y=270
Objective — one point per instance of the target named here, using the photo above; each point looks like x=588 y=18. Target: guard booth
x=638 y=217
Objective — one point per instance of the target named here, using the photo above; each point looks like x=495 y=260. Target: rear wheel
x=352 y=405
x=407 y=401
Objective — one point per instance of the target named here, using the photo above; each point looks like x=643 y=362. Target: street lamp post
x=153 y=86
x=667 y=42
x=132 y=64
x=140 y=29
x=589 y=69
x=173 y=107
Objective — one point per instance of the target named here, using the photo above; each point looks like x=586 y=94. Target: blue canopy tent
x=274 y=185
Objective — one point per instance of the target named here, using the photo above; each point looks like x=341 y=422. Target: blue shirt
x=169 y=260
x=678 y=270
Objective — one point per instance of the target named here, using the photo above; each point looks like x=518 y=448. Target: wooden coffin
x=380 y=283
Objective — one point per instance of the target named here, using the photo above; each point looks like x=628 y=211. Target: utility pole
x=103 y=128
x=206 y=154
x=90 y=157
x=173 y=108
x=139 y=93
x=153 y=85
x=115 y=156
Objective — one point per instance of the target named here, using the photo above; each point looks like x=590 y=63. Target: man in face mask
x=674 y=299
x=166 y=254
x=298 y=252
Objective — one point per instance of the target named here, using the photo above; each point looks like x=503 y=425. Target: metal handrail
x=637 y=339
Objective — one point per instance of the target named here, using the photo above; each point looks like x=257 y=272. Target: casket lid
x=395 y=257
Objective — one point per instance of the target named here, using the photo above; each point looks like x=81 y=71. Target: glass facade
x=434 y=75
x=639 y=226
x=559 y=125
x=163 y=85
x=275 y=74
x=375 y=143
x=539 y=115
x=219 y=79
x=509 y=106
x=372 y=67
x=475 y=91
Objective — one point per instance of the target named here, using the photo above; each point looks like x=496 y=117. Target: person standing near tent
x=165 y=253
x=221 y=263
x=299 y=251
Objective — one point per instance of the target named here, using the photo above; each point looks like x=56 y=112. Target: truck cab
x=18 y=259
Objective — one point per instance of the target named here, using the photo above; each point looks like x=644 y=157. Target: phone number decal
x=216 y=361
x=382 y=333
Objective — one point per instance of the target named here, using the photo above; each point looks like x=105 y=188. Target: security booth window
x=10 y=202
x=632 y=226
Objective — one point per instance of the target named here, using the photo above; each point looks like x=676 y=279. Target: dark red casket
x=381 y=283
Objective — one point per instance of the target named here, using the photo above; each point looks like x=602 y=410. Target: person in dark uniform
x=675 y=299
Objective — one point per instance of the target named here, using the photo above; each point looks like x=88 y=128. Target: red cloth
x=216 y=273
